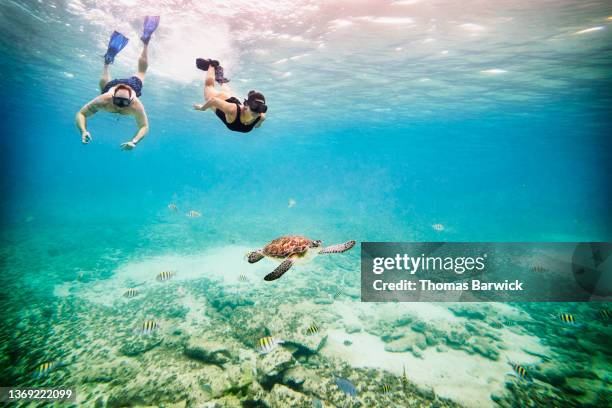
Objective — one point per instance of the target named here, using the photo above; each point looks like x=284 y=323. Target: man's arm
x=143 y=128
x=89 y=109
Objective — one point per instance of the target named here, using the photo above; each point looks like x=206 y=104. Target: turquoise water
x=385 y=118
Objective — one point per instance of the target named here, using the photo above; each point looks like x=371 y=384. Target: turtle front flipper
x=338 y=248
x=255 y=256
x=280 y=270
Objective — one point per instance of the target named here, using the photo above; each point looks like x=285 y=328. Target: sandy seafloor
x=204 y=352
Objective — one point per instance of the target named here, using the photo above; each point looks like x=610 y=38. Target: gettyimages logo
x=412 y=264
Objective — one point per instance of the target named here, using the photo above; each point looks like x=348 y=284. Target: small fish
x=520 y=371
x=496 y=325
x=172 y=207
x=565 y=318
x=312 y=329
x=385 y=389
x=404 y=379
x=148 y=327
x=337 y=294
x=346 y=386
x=605 y=314
x=194 y=214
x=243 y=278
x=130 y=293
x=438 y=227
x=291 y=203
x=45 y=368
x=538 y=268
x=268 y=343
x=80 y=276
x=164 y=276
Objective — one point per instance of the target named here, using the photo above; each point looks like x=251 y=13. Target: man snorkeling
x=236 y=116
x=121 y=95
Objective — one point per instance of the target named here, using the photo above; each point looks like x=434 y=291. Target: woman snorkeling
x=239 y=117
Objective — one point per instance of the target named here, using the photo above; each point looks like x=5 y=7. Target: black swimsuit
x=236 y=125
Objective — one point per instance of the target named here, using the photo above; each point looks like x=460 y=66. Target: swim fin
x=219 y=75
x=203 y=64
x=116 y=43
x=149 y=26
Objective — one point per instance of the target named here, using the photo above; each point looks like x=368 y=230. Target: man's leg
x=143 y=63
x=105 y=77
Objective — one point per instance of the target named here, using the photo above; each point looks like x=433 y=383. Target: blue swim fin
x=116 y=44
x=149 y=26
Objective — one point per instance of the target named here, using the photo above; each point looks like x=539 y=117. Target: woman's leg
x=143 y=63
x=105 y=77
x=209 y=84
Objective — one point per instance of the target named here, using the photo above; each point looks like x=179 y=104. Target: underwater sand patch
x=468 y=379
x=222 y=264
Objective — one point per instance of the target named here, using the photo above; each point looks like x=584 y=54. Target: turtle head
x=316 y=243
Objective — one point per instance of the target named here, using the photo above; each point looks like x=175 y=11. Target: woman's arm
x=217 y=103
x=262 y=117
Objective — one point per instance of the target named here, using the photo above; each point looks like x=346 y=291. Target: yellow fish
x=130 y=293
x=268 y=343
x=520 y=371
x=164 y=276
x=172 y=207
x=566 y=318
x=194 y=214
x=312 y=329
x=438 y=227
x=148 y=327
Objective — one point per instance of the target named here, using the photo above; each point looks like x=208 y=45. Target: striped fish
x=438 y=227
x=605 y=314
x=385 y=389
x=194 y=214
x=164 y=276
x=243 y=278
x=404 y=379
x=312 y=329
x=149 y=326
x=337 y=294
x=538 y=268
x=566 y=318
x=130 y=293
x=496 y=325
x=520 y=370
x=268 y=343
x=172 y=207
x=45 y=368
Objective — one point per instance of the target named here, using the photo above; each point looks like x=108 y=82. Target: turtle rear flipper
x=280 y=270
x=338 y=248
x=255 y=256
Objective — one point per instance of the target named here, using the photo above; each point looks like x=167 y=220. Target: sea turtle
x=291 y=248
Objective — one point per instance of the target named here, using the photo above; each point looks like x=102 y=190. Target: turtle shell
x=284 y=246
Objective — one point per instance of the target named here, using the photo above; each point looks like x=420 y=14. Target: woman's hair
x=256 y=102
x=256 y=95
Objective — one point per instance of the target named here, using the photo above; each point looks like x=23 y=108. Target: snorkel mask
x=256 y=102
x=121 y=101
